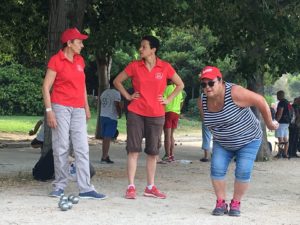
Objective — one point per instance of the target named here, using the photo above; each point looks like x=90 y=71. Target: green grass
x=22 y=124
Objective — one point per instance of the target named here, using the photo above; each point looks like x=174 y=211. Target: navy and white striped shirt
x=232 y=127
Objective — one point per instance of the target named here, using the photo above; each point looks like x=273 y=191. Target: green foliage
x=258 y=33
x=189 y=50
x=20 y=90
x=270 y=99
x=23 y=32
x=192 y=110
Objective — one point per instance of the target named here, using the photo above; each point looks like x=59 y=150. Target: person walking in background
x=67 y=112
x=110 y=112
x=171 y=121
x=38 y=141
x=206 y=142
x=283 y=118
x=146 y=114
x=225 y=109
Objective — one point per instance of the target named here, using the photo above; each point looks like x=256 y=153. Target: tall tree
x=62 y=14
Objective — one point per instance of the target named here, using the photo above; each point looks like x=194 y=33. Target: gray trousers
x=71 y=125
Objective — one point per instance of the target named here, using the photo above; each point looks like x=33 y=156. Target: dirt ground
x=273 y=197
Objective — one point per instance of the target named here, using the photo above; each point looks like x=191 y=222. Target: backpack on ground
x=44 y=168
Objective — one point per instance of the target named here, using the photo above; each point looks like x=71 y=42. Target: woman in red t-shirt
x=146 y=114
x=67 y=110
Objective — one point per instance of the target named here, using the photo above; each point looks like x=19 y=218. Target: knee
x=217 y=172
x=243 y=176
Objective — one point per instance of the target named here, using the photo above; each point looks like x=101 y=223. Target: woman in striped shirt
x=225 y=108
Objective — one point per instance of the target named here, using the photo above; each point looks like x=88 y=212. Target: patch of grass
x=17 y=124
x=22 y=124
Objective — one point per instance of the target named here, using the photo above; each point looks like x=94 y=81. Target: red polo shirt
x=69 y=85
x=150 y=84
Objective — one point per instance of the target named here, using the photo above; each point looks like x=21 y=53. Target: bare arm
x=119 y=108
x=245 y=98
x=279 y=113
x=199 y=104
x=36 y=127
x=86 y=106
x=179 y=86
x=119 y=86
x=47 y=85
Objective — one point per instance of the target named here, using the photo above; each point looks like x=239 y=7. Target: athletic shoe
x=165 y=158
x=92 y=195
x=171 y=158
x=57 y=193
x=234 y=208
x=154 y=192
x=106 y=161
x=130 y=193
x=204 y=160
x=221 y=208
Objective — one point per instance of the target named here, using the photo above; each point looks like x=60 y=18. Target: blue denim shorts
x=245 y=158
x=282 y=131
x=108 y=127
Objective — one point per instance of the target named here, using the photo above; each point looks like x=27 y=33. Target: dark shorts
x=139 y=127
x=171 y=120
x=108 y=127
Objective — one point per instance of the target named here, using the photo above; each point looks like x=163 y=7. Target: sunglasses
x=210 y=83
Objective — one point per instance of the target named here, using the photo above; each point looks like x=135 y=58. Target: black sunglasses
x=210 y=83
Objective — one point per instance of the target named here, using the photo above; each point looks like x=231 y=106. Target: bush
x=20 y=90
x=193 y=110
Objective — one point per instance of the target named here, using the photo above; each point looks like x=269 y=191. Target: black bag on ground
x=44 y=168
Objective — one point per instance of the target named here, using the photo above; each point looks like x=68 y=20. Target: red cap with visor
x=71 y=34
x=210 y=72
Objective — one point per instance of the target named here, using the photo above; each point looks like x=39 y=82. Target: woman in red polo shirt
x=67 y=111
x=146 y=113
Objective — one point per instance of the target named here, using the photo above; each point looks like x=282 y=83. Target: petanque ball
x=64 y=207
x=75 y=200
x=70 y=197
x=70 y=204
x=61 y=202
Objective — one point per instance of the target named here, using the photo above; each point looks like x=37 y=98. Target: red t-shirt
x=150 y=84
x=69 y=85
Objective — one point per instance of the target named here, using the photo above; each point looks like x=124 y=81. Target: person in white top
x=110 y=112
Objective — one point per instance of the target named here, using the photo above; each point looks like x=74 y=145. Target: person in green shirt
x=171 y=121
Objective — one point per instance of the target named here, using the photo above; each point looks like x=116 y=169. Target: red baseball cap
x=71 y=34
x=210 y=72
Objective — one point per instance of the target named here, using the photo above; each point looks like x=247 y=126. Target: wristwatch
x=48 y=109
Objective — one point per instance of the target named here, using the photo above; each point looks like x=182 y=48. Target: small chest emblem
x=79 y=68
x=159 y=76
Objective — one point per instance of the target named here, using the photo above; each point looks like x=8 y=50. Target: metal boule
x=75 y=200
x=63 y=197
x=70 y=204
x=64 y=207
x=71 y=197
x=62 y=202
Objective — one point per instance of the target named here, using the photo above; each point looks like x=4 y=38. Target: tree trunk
x=103 y=72
x=256 y=84
x=62 y=14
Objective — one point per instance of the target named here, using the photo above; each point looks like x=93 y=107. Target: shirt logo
x=79 y=68
x=158 y=76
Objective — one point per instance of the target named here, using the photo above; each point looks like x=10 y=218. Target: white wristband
x=48 y=109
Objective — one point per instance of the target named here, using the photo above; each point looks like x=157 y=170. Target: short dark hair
x=153 y=41
x=111 y=82
x=280 y=94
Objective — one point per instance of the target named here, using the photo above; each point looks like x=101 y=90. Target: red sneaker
x=154 y=192
x=130 y=193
